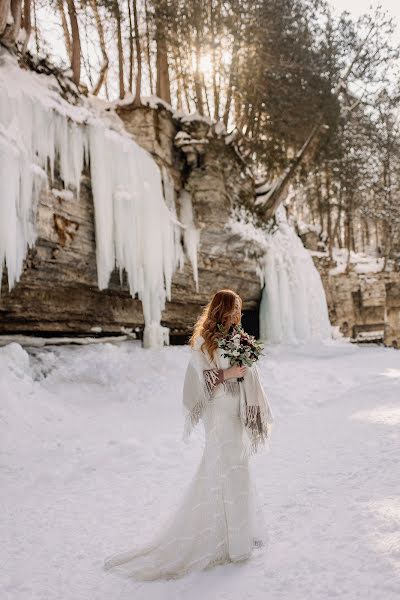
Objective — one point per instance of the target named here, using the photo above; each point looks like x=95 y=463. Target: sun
x=206 y=64
x=206 y=61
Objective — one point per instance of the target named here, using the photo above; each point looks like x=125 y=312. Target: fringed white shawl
x=198 y=393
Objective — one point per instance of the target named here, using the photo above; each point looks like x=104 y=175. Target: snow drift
x=92 y=461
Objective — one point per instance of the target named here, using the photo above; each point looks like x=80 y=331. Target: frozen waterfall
x=135 y=230
x=293 y=304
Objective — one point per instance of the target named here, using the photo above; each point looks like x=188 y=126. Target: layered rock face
x=58 y=291
x=365 y=306
x=392 y=329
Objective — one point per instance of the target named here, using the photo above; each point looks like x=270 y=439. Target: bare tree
x=229 y=92
x=76 y=43
x=138 y=91
x=214 y=66
x=4 y=12
x=21 y=18
x=64 y=24
x=117 y=14
x=198 y=82
x=104 y=66
x=148 y=49
x=27 y=24
x=11 y=30
x=163 y=84
x=130 y=70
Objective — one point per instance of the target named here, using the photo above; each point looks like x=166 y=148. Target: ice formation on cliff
x=293 y=304
x=40 y=133
x=191 y=235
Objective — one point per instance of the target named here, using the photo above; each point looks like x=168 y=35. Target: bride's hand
x=235 y=371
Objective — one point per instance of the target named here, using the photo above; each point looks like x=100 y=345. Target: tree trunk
x=179 y=90
x=181 y=75
x=76 y=43
x=319 y=202
x=336 y=229
x=367 y=234
x=377 y=242
x=4 y=10
x=104 y=67
x=35 y=27
x=353 y=238
x=138 y=91
x=11 y=31
x=329 y=213
x=130 y=81
x=117 y=13
x=148 y=51
x=198 y=83
x=27 y=24
x=349 y=227
x=232 y=72
x=206 y=96
x=163 y=90
x=216 y=87
x=388 y=245
x=278 y=190
x=67 y=37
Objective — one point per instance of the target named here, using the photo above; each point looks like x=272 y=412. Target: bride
x=219 y=519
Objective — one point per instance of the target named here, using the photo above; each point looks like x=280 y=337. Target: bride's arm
x=213 y=377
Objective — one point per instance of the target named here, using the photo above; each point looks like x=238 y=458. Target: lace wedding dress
x=219 y=518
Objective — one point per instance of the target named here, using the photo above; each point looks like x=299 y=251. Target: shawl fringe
x=198 y=392
x=193 y=416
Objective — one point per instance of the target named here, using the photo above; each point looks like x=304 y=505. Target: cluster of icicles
x=293 y=304
x=135 y=229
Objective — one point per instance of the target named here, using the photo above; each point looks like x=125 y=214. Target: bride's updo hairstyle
x=218 y=311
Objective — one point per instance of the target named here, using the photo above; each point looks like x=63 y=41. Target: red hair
x=218 y=311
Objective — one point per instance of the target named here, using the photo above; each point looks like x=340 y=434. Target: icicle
x=155 y=335
x=191 y=235
x=136 y=230
x=293 y=305
x=32 y=135
x=169 y=196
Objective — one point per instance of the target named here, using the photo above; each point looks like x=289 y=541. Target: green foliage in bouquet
x=240 y=347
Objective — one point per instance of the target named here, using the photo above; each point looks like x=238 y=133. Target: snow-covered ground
x=361 y=262
x=92 y=462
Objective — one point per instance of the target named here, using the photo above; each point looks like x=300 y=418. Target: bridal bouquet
x=240 y=347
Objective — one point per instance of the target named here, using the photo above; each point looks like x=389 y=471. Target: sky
x=358 y=7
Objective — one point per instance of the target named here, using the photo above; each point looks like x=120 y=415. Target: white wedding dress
x=219 y=518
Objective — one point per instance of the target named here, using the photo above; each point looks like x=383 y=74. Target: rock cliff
x=58 y=292
x=365 y=306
